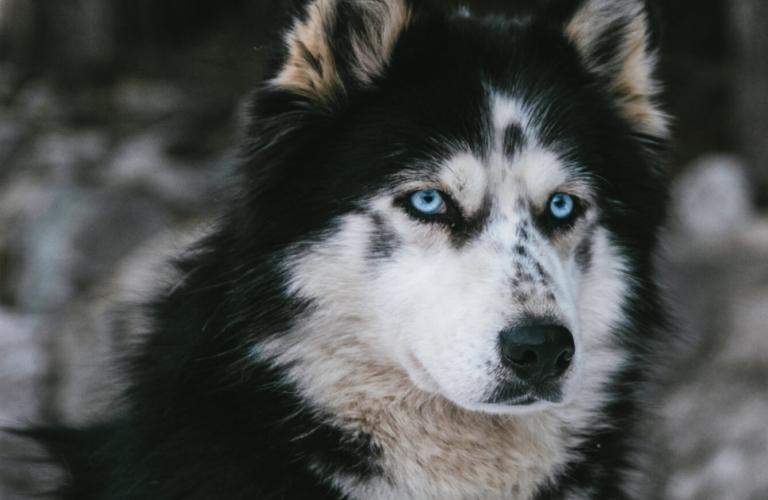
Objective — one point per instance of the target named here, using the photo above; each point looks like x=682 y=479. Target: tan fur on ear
x=631 y=71
x=313 y=70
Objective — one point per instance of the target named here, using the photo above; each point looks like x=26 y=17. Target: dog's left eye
x=428 y=202
x=561 y=206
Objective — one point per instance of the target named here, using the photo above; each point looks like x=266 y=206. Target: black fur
x=203 y=419
x=514 y=140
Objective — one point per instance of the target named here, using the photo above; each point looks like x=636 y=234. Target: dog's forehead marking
x=506 y=111
x=511 y=125
x=535 y=169
x=516 y=168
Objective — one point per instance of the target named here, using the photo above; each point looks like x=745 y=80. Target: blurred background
x=119 y=121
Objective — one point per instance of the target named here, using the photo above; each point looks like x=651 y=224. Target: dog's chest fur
x=433 y=450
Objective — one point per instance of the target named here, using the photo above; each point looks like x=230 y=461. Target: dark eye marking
x=438 y=207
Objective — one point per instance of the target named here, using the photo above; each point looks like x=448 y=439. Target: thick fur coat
x=434 y=282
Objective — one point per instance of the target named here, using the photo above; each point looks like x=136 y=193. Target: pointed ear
x=616 y=42
x=339 y=45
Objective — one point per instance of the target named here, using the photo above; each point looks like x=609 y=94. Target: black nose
x=537 y=352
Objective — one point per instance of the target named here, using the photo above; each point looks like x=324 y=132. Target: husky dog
x=436 y=279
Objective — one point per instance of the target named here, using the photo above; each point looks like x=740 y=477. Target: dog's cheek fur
x=602 y=295
x=405 y=310
x=431 y=448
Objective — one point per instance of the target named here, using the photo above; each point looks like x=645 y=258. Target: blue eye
x=428 y=202
x=561 y=206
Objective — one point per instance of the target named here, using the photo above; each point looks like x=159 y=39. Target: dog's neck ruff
x=430 y=447
x=434 y=449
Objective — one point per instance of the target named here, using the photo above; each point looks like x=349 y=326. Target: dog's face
x=475 y=273
x=471 y=184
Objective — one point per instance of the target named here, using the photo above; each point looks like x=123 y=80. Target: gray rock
x=141 y=163
x=72 y=236
x=37 y=101
x=712 y=440
x=24 y=365
x=712 y=199
x=67 y=157
x=148 y=100
x=717 y=437
x=12 y=137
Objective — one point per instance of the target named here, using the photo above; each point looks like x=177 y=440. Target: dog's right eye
x=561 y=206
x=431 y=206
x=562 y=212
x=428 y=202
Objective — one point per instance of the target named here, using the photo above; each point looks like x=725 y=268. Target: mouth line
x=522 y=401
x=515 y=394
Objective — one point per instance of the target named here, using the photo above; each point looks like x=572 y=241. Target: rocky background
x=119 y=121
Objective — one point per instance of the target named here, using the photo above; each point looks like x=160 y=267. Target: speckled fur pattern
x=328 y=341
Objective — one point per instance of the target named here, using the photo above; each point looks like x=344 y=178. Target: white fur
x=508 y=111
x=405 y=348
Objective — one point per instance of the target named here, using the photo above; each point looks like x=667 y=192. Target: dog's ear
x=335 y=46
x=617 y=41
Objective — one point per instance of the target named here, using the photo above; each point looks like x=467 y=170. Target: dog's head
x=468 y=202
